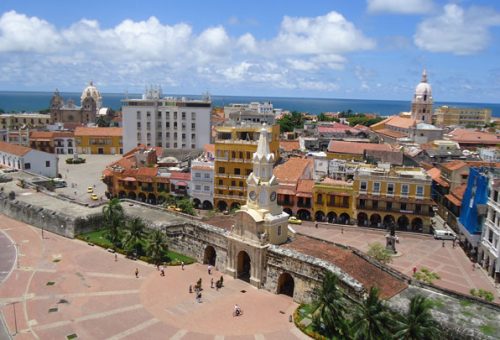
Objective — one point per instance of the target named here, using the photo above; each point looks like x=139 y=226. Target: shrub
x=426 y=276
x=78 y=160
x=379 y=253
x=482 y=294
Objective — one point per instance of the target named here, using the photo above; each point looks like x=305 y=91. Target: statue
x=391 y=238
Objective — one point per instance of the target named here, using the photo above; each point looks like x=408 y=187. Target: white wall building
x=24 y=158
x=202 y=182
x=489 y=247
x=172 y=123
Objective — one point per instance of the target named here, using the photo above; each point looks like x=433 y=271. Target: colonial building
x=461 y=116
x=202 y=179
x=353 y=151
x=69 y=112
x=58 y=142
x=333 y=201
x=399 y=196
x=16 y=121
x=473 y=139
x=234 y=146
x=99 y=140
x=168 y=122
x=23 y=158
x=260 y=222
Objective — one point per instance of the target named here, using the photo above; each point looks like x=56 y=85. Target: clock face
x=273 y=196
x=252 y=195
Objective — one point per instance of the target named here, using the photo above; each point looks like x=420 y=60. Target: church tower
x=421 y=105
x=260 y=222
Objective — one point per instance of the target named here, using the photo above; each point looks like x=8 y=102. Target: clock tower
x=260 y=222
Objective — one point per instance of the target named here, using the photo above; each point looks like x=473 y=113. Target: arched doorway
x=235 y=206
x=344 y=218
x=362 y=218
x=304 y=214
x=207 y=205
x=132 y=195
x=142 y=197
x=210 y=256
x=288 y=211
x=375 y=221
x=403 y=222
x=286 y=284
x=151 y=199
x=222 y=206
x=319 y=216
x=417 y=224
x=388 y=221
x=331 y=217
x=122 y=194
x=244 y=266
x=196 y=203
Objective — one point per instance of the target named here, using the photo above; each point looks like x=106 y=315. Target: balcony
x=304 y=205
x=222 y=159
x=221 y=175
x=285 y=203
x=236 y=176
x=237 y=160
x=222 y=187
x=237 y=188
x=231 y=197
x=147 y=189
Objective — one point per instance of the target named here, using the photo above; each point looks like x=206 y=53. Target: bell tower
x=421 y=105
x=260 y=222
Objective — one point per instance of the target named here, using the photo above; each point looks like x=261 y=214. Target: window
x=193 y=115
x=361 y=203
x=420 y=190
x=193 y=126
x=206 y=175
x=184 y=116
x=197 y=187
x=375 y=204
x=206 y=188
x=27 y=166
x=233 y=183
x=376 y=187
x=197 y=175
x=490 y=235
x=237 y=171
x=167 y=115
x=418 y=208
x=138 y=114
x=47 y=164
x=138 y=125
x=279 y=230
x=403 y=206
x=167 y=125
x=404 y=189
x=362 y=186
x=390 y=188
x=222 y=170
x=221 y=182
x=388 y=206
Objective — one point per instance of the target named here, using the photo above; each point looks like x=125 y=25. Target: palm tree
x=157 y=246
x=417 y=323
x=329 y=308
x=371 y=319
x=113 y=219
x=135 y=234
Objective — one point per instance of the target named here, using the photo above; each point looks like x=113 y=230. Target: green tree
x=157 y=246
x=103 y=121
x=417 y=323
x=186 y=206
x=371 y=319
x=329 y=307
x=291 y=121
x=113 y=219
x=135 y=235
x=379 y=252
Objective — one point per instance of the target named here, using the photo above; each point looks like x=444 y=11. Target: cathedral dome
x=92 y=91
x=423 y=91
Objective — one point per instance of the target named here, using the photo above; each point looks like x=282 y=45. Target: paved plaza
x=61 y=287
x=415 y=250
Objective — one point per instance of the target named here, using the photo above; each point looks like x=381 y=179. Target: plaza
x=60 y=287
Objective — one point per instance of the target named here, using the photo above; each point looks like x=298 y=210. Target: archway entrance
x=196 y=203
x=304 y=215
x=375 y=221
x=362 y=219
x=344 y=218
x=222 y=206
x=332 y=217
x=417 y=224
x=244 y=266
x=235 y=206
x=210 y=256
x=286 y=284
x=319 y=216
x=388 y=221
x=288 y=211
x=207 y=205
x=403 y=222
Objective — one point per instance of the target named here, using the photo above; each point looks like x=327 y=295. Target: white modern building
x=168 y=122
x=489 y=247
x=202 y=181
x=256 y=107
x=23 y=158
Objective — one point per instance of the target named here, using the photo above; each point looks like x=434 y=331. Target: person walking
x=182 y=265
x=116 y=257
x=414 y=270
x=209 y=269
x=137 y=272
x=162 y=271
x=443 y=243
x=212 y=283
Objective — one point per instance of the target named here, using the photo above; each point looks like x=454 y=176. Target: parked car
x=444 y=234
x=94 y=197
x=90 y=190
x=294 y=220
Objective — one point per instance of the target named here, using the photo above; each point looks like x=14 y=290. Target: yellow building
x=234 y=148
x=99 y=140
x=398 y=195
x=15 y=121
x=333 y=201
x=465 y=116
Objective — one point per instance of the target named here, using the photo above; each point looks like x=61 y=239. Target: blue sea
x=35 y=101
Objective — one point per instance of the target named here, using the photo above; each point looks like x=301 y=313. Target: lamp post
x=42 y=225
x=15 y=317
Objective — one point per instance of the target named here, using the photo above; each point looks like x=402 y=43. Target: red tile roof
x=434 y=173
x=391 y=133
x=337 y=128
x=366 y=273
x=355 y=147
x=14 y=149
x=305 y=185
x=466 y=136
x=184 y=176
x=292 y=170
x=289 y=145
x=99 y=131
x=454 y=165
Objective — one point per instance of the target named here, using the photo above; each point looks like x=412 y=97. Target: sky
x=359 y=49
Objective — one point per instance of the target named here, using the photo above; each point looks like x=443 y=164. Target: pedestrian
x=414 y=270
x=342 y=230
x=473 y=266
x=162 y=271
x=316 y=225
x=209 y=269
x=212 y=283
x=137 y=272
x=443 y=243
x=116 y=257
x=453 y=243
x=198 y=297
x=182 y=265
x=190 y=289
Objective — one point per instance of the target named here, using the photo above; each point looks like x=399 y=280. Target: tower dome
x=93 y=92
x=421 y=105
x=423 y=91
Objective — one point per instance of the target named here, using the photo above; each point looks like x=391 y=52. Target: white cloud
x=457 y=30
x=400 y=6
x=247 y=43
x=302 y=65
x=328 y=34
x=20 y=33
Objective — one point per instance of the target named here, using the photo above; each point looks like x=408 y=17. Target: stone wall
x=37 y=216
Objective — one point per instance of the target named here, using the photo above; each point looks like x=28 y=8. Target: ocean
x=35 y=101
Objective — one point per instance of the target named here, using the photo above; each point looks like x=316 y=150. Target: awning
x=286 y=192
x=303 y=194
x=129 y=179
x=181 y=184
